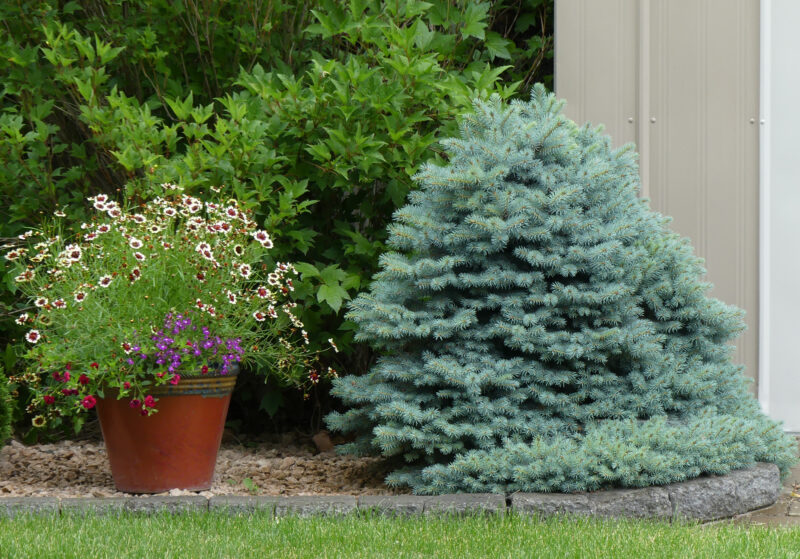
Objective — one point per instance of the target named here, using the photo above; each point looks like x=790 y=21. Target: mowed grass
x=216 y=535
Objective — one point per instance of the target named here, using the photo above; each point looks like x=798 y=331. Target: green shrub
x=543 y=329
x=309 y=110
x=5 y=410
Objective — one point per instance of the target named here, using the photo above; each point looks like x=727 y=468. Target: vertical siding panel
x=702 y=151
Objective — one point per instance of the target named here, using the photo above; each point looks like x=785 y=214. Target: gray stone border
x=703 y=499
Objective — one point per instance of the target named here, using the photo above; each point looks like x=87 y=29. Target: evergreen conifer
x=541 y=327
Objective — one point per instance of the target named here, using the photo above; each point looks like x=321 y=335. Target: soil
x=288 y=464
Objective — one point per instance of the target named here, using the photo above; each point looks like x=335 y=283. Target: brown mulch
x=281 y=466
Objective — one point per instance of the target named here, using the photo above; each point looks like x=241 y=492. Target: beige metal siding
x=696 y=83
x=596 y=63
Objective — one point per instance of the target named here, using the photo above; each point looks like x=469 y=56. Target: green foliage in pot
x=309 y=110
x=143 y=294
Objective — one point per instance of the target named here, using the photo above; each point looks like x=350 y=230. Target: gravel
x=279 y=467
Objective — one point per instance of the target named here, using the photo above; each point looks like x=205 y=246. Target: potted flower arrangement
x=146 y=313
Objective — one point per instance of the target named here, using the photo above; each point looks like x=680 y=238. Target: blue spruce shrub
x=541 y=327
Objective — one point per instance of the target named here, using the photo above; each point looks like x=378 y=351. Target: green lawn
x=215 y=535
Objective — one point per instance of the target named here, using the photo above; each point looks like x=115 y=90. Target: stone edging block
x=325 y=505
x=704 y=499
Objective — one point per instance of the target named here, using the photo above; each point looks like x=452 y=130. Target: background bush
x=316 y=112
x=5 y=410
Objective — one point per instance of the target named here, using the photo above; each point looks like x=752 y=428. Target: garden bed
x=283 y=465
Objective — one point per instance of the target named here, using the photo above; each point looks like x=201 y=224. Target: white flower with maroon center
x=263 y=238
x=105 y=281
x=238 y=250
x=262 y=292
x=202 y=246
x=231 y=297
x=170 y=212
x=139 y=256
x=33 y=336
x=135 y=243
x=80 y=297
x=14 y=254
x=273 y=279
x=154 y=229
x=73 y=253
x=90 y=236
x=113 y=211
x=231 y=212
x=138 y=218
x=245 y=270
x=41 y=302
x=135 y=275
x=201 y=277
x=199 y=304
x=127 y=348
x=27 y=275
x=103 y=228
x=22 y=319
x=271 y=312
x=60 y=304
x=259 y=316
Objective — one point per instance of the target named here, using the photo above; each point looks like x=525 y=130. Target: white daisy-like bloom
x=39 y=257
x=245 y=270
x=25 y=276
x=60 y=303
x=138 y=218
x=333 y=345
x=59 y=213
x=259 y=316
x=139 y=256
x=33 y=336
x=80 y=297
x=15 y=254
x=199 y=304
x=100 y=198
x=238 y=250
x=200 y=276
x=208 y=255
x=272 y=312
x=22 y=319
x=262 y=292
x=99 y=206
x=273 y=279
x=73 y=253
x=90 y=236
x=170 y=212
x=263 y=238
x=202 y=246
x=231 y=297
x=135 y=275
x=231 y=212
x=154 y=229
x=25 y=235
x=127 y=348
x=135 y=243
x=41 y=302
x=105 y=281
x=211 y=310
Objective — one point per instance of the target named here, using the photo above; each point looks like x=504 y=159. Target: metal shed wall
x=680 y=78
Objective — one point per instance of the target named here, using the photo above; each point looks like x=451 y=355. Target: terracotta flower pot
x=175 y=448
